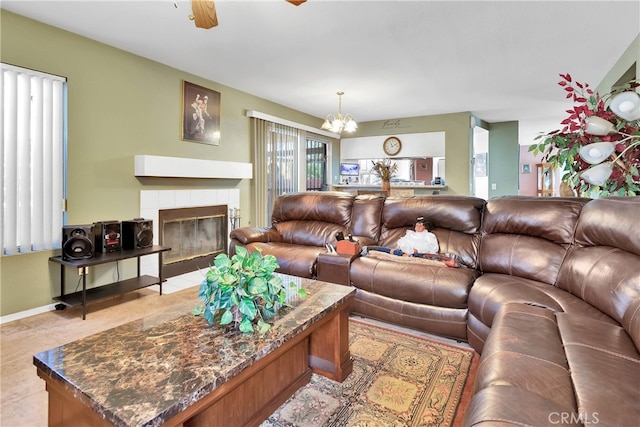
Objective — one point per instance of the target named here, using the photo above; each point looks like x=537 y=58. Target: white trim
x=278 y=120
x=181 y=167
x=171 y=285
x=27 y=313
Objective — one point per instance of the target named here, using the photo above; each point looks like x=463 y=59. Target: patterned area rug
x=397 y=380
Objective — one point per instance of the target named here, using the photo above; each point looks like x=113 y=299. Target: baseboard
x=26 y=313
x=169 y=287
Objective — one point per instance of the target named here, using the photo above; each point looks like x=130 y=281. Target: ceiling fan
x=204 y=12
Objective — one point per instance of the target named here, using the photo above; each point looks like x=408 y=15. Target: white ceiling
x=498 y=59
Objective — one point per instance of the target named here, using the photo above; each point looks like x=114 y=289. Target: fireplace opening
x=195 y=235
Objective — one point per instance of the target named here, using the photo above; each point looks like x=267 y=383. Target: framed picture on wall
x=200 y=114
x=525 y=168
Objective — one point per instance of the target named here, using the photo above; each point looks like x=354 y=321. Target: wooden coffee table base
x=252 y=395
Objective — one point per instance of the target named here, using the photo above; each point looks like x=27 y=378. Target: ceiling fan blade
x=204 y=13
x=296 y=2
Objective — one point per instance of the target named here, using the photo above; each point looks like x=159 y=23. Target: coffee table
x=174 y=369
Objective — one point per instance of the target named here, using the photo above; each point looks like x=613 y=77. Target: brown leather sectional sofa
x=548 y=291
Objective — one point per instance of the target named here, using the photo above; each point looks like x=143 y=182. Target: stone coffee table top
x=146 y=371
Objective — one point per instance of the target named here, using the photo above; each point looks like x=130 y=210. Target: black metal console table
x=100 y=292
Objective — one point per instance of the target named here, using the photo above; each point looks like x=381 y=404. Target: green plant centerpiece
x=243 y=289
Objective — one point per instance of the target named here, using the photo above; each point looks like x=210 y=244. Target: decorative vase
x=386 y=187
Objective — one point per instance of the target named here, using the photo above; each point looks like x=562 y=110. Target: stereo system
x=84 y=241
x=77 y=242
x=107 y=235
x=137 y=233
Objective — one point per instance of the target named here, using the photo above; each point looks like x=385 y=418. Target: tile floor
x=22 y=392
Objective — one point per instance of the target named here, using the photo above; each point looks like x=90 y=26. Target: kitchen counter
x=397 y=190
x=377 y=187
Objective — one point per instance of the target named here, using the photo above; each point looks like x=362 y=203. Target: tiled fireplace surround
x=152 y=201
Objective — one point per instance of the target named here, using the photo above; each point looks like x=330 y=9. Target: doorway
x=480 y=161
x=316 y=165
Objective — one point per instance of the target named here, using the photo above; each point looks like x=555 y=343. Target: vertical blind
x=32 y=145
x=276 y=165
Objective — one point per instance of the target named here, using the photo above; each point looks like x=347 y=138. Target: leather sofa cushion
x=491 y=291
x=604 y=267
x=522 y=256
x=311 y=218
x=541 y=367
x=553 y=219
x=631 y=321
x=463 y=214
x=524 y=350
x=308 y=233
x=246 y=235
x=296 y=260
x=505 y=405
x=605 y=369
x=528 y=236
x=414 y=282
x=523 y=377
x=606 y=277
x=442 y=321
x=328 y=206
x=366 y=219
x=611 y=221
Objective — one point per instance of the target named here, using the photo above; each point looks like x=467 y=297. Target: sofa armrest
x=334 y=268
x=246 y=235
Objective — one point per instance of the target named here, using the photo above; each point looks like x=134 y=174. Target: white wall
x=429 y=144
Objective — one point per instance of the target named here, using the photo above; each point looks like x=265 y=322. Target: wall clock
x=392 y=146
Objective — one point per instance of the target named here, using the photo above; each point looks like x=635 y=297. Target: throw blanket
x=436 y=260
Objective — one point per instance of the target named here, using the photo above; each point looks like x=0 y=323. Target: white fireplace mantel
x=182 y=167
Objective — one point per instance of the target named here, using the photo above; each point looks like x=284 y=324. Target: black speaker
x=137 y=233
x=77 y=242
x=108 y=235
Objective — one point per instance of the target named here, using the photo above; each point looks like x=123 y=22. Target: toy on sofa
x=415 y=242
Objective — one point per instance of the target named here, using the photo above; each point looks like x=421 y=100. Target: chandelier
x=337 y=123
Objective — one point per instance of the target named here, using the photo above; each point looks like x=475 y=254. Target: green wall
x=120 y=105
x=629 y=59
x=504 y=155
x=457 y=143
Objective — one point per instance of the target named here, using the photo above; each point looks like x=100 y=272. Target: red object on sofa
x=345 y=247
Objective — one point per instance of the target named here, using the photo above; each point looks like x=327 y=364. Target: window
x=316 y=165
x=32 y=154
x=288 y=157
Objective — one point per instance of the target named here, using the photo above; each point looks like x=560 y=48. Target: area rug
x=397 y=380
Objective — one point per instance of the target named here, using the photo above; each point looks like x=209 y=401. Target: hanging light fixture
x=337 y=123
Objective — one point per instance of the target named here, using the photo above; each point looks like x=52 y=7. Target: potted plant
x=385 y=170
x=598 y=147
x=243 y=289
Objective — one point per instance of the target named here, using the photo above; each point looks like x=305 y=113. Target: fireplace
x=194 y=234
x=153 y=201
